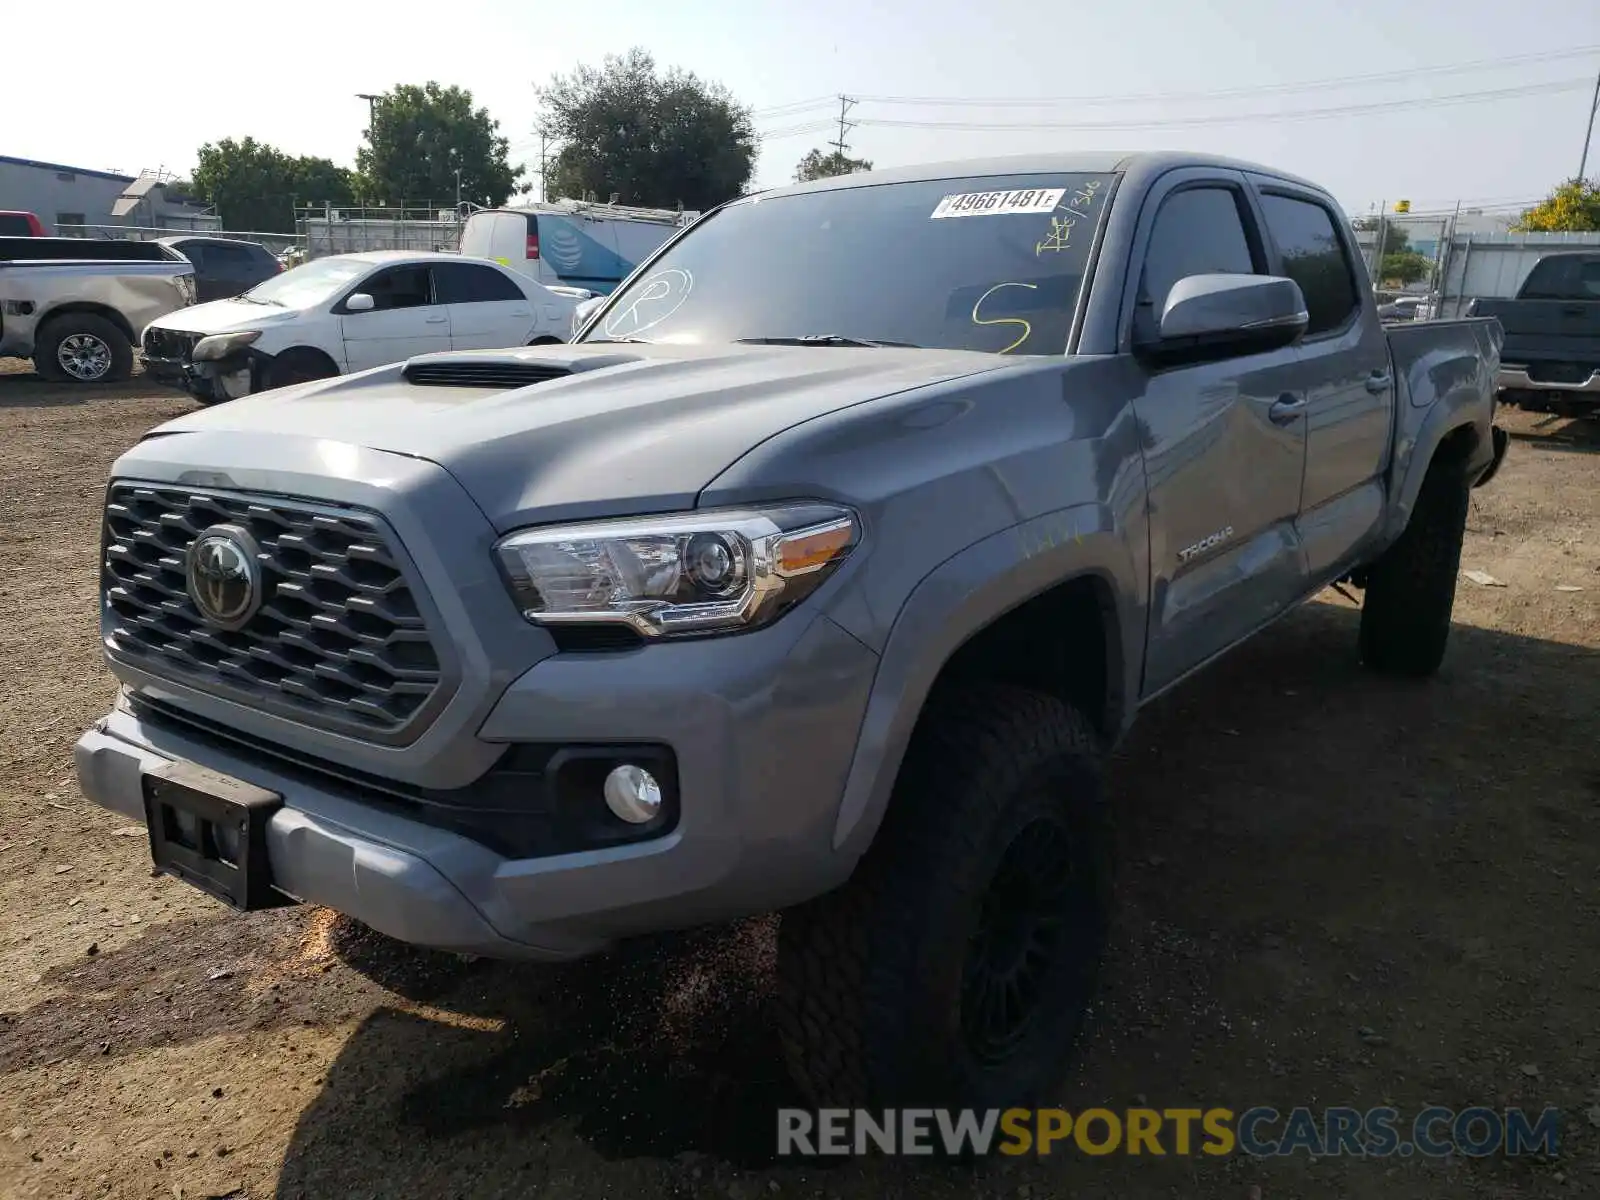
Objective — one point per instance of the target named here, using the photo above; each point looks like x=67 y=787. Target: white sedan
x=347 y=313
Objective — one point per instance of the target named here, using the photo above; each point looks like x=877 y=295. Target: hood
x=621 y=429
x=225 y=316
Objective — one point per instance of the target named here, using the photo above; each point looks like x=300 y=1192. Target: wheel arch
x=104 y=311
x=981 y=616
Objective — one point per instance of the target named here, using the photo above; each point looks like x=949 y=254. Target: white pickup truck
x=78 y=317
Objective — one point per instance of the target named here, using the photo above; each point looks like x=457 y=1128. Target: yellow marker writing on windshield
x=1027 y=329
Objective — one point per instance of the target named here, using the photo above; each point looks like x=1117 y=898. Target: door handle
x=1379 y=381
x=437 y=320
x=1286 y=409
x=1572 y=310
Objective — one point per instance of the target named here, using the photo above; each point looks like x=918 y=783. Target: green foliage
x=255 y=186
x=420 y=136
x=1396 y=238
x=1574 y=207
x=817 y=165
x=647 y=137
x=1406 y=267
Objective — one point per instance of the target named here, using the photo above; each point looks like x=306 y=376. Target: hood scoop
x=498 y=373
x=506 y=370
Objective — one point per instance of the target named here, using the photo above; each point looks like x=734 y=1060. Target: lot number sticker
x=989 y=204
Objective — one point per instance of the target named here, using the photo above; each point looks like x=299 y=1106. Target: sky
x=1063 y=70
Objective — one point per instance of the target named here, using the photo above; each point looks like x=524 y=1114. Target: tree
x=1406 y=267
x=817 y=165
x=421 y=136
x=650 y=138
x=1396 y=237
x=1574 y=207
x=255 y=186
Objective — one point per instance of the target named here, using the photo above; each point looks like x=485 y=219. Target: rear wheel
x=83 y=348
x=956 y=965
x=1411 y=589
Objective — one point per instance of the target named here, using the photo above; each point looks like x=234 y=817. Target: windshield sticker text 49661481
x=990 y=204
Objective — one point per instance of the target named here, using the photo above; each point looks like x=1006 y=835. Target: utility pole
x=372 y=109
x=1588 y=130
x=845 y=105
x=543 y=166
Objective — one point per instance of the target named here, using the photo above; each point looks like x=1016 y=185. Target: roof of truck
x=1087 y=162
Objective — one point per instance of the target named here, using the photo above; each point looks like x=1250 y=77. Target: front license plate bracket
x=210 y=830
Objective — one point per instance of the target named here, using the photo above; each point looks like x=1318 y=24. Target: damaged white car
x=348 y=313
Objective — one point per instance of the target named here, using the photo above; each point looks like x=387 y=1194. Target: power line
x=1303 y=114
x=793 y=107
x=1235 y=93
x=795 y=130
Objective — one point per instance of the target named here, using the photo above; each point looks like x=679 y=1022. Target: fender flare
x=1416 y=450
x=960 y=597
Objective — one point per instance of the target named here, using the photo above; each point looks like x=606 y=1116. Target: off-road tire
x=870 y=977
x=1411 y=589
x=58 y=329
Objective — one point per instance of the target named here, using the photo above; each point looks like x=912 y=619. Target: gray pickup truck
x=819 y=574
x=76 y=306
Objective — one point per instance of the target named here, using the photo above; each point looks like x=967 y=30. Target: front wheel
x=299 y=366
x=955 y=967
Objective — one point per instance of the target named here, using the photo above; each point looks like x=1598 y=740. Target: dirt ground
x=1336 y=890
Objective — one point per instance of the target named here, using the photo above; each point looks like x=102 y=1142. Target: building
x=73 y=198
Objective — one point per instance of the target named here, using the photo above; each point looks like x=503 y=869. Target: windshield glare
x=992 y=263
x=308 y=284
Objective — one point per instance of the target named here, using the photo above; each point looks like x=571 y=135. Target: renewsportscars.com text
x=1259 y=1131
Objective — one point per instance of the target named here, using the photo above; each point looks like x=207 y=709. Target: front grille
x=167 y=343
x=339 y=641
x=481 y=374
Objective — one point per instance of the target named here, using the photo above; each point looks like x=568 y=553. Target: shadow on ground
x=27 y=389
x=1558 y=431
x=1335 y=889
x=1309 y=851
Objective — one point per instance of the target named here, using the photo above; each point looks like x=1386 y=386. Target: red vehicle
x=20 y=224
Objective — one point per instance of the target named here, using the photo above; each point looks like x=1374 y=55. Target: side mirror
x=1217 y=316
x=358 y=302
x=584 y=310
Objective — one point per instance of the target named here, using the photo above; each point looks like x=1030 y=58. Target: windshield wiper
x=249 y=299
x=823 y=339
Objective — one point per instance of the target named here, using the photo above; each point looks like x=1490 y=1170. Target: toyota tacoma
x=818 y=573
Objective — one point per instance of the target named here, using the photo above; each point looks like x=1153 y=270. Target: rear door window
x=1314 y=256
x=468 y=283
x=15 y=225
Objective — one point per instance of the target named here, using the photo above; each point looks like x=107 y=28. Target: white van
x=568 y=243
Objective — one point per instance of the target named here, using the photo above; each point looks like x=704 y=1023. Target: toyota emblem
x=224 y=575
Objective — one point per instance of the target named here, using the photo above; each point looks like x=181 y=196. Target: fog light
x=633 y=794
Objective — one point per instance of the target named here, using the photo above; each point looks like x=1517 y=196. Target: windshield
x=991 y=263
x=308 y=284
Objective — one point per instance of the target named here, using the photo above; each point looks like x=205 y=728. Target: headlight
x=220 y=345
x=687 y=573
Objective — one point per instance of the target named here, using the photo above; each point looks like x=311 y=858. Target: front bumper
x=1518 y=379
x=762 y=726
x=227 y=379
